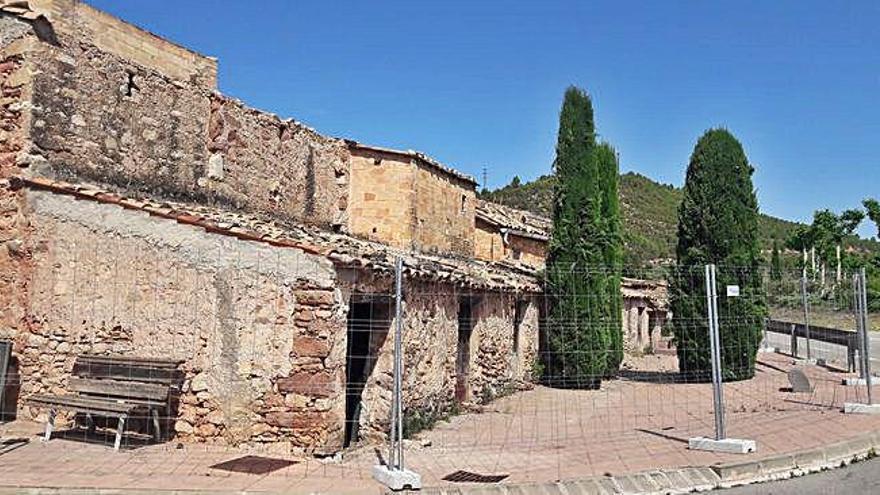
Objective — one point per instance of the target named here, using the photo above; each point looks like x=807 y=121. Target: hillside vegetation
x=650 y=210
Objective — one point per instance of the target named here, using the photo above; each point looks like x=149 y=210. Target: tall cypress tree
x=718 y=223
x=775 y=262
x=612 y=240
x=577 y=343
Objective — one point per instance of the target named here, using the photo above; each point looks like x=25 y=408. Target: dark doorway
x=368 y=322
x=463 y=350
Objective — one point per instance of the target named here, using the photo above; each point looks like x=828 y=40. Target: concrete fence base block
x=851 y=382
x=726 y=445
x=855 y=408
x=805 y=362
x=397 y=479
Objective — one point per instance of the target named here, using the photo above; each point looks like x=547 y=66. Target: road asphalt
x=858 y=478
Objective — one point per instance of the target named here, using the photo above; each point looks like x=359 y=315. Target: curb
x=689 y=479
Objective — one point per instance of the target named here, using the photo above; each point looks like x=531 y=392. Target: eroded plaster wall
x=261 y=330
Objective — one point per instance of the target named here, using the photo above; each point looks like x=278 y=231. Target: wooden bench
x=116 y=387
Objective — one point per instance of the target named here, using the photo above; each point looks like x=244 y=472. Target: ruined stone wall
x=129 y=42
x=261 y=329
x=103 y=118
x=277 y=166
x=444 y=213
x=115 y=105
x=488 y=243
x=381 y=198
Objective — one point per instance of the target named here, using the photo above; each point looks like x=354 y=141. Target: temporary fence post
x=394 y=474
x=720 y=443
x=865 y=347
x=866 y=337
x=857 y=310
x=715 y=349
x=806 y=303
x=398 y=357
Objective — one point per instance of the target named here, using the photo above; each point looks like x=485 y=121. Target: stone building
x=144 y=213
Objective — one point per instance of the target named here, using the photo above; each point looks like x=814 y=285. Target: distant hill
x=650 y=213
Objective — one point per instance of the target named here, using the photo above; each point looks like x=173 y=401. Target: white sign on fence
x=732 y=291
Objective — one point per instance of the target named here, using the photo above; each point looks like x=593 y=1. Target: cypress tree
x=775 y=262
x=577 y=345
x=718 y=223
x=609 y=178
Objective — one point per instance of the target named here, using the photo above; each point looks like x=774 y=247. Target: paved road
x=862 y=477
x=832 y=353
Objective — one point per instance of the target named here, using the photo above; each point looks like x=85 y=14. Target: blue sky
x=479 y=83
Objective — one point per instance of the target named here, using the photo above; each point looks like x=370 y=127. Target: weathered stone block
x=321 y=384
x=314 y=297
x=311 y=347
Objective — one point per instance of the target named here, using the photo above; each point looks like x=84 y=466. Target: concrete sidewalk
x=638 y=424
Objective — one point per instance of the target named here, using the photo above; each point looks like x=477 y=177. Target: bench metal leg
x=50 y=424
x=90 y=424
x=157 y=433
x=120 y=426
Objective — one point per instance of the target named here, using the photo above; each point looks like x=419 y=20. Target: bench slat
x=115 y=388
x=83 y=404
x=127 y=372
x=151 y=362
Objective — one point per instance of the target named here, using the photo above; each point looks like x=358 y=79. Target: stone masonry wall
x=277 y=166
x=102 y=118
x=16 y=40
x=381 y=198
x=531 y=251
x=103 y=114
x=488 y=243
x=444 y=213
x=261 y=329
x=129 y=42
x=430 y=339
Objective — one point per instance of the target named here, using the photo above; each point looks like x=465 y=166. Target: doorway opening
x=368 y=323
x=463 y=350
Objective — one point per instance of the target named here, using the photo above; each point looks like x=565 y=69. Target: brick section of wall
x=129 y=42
x=276 y=166
x=261 y=329
x=381 y=198
x=444 y=213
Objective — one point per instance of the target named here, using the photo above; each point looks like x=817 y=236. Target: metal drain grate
x=253 y=464
x=468 y=477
